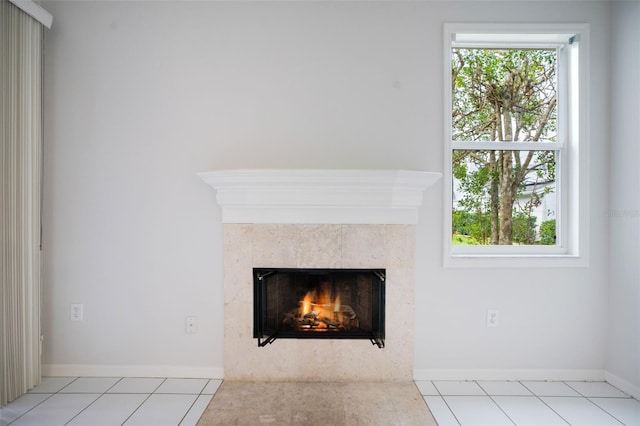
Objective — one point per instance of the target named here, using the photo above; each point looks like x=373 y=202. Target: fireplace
x=318 y=304
x=309 y=221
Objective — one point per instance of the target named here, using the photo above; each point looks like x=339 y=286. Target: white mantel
x=319 y=196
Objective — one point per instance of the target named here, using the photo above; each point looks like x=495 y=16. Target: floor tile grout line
x=67 y=385
x=617 y=419
x=501 y=409
x=551 y=408
x=443 y=400
x=189 y=409
x=112 y=386
x=580 y=395
x=95 y=400
x=543 y=401
x=588 y=396
x=32 y=408
x=83 y=409
x=164 y=379
x=106 y=392
x=51 y=394
x=136 y=409
x=495 y=403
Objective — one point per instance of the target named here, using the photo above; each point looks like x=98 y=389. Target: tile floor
x=87 y=401
x=155 y=402
x=537 y=403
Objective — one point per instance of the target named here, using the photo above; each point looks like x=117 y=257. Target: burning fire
x=319 y=310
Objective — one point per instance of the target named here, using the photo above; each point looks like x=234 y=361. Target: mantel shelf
x=319 y=196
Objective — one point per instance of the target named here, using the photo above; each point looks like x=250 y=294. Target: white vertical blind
x=20 y=200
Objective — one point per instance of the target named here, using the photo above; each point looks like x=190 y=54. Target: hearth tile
x=272 y=245
x=241 y=326
x=458 y=388
x=305 y=403
x=371 y=417
x=421 y=418
x=237 y=247
x=413 y=403
x=182 y=386
x=400 y=246
x=229 y=400
x=246 y=416
x=318 y=417
x=504 y=388
x=319 y=246
x=239 y=288
x=363 y=246
x=362 y=404
x=426 y=387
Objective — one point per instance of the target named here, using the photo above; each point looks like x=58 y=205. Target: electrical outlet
x=192 y=325
x=77 y=312
x=492 y=318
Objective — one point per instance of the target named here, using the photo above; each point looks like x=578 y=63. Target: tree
x=504 y=95
x=548 y=232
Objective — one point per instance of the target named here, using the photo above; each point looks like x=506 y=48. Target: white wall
x=623 y=355
x=142 y=95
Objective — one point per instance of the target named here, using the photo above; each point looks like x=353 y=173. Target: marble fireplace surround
x=319 y=219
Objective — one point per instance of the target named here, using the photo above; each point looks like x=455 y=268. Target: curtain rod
x=36 y=11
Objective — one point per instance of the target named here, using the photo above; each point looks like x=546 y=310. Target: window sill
x=515 y=261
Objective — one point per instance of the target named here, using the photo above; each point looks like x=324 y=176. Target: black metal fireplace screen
x=318 y=304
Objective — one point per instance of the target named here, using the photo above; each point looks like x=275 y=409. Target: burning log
x=337 y=317
x=330 y=323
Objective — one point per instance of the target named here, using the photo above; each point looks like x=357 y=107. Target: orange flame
x=306 y=304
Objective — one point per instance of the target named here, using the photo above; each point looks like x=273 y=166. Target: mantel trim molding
x=319 y=196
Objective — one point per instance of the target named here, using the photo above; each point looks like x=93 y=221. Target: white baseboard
x=624 y=385
x=509 y=374
x=172 y=371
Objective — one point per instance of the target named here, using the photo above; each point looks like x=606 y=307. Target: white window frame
x=572 y=175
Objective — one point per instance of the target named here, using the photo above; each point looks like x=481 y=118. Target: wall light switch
x=77 y=312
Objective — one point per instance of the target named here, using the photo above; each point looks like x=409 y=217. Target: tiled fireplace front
x=389 y=247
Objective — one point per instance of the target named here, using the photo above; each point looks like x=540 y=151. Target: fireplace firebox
x=318 y=304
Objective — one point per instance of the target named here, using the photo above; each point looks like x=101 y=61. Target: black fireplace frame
x=267 y=335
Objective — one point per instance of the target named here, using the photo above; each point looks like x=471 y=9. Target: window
x=516 y=137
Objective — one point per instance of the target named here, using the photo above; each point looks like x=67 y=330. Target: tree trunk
x=494 y=195
x=507 y=193
x=507 y=198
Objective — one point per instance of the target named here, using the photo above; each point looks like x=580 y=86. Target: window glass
x=504 y=196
